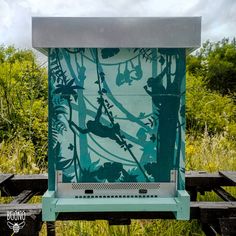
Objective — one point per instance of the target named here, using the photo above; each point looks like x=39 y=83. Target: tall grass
x=208 y=153
x=137 y=228
x=19 y=156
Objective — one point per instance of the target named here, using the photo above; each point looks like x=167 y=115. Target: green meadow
x=210 y=134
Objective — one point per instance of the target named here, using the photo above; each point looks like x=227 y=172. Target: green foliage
x=23 y=98
x=221 y=74
x=211 y=128
x=194 y=65
x=208 y=109
x=19 y=156
x=216 y=62
x=210 y=152
x=137 y=228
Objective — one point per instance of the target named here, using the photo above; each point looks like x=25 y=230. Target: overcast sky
x=218 y=16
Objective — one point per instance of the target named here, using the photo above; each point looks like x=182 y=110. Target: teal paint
x=116 y=115
x=179 y=205
x=106 y=101
x=51 y=154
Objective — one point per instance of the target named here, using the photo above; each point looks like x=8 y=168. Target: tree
x=221 y=74
x=216 y=62
x=23 y=98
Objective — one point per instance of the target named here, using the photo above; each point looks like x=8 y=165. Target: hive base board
x=179 y=205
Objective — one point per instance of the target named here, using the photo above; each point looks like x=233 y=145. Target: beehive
x=116 y=113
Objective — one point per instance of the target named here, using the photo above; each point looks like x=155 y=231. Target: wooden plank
x=211 y=205
x=209 y=212
x=204 y=181
x=51 y=228
x=224 y=195
x=31 y=228
x=4 y=178
x=33 y=219
x=19 y=183
x=230 y=175
x=20 y=207
x=201 y=181
x=23 y=197
x=228 y=226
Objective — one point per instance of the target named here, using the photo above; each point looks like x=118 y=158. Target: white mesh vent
x=112 y=186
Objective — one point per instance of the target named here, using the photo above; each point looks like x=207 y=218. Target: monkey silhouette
x=156 y=87
x=97 y=128
x=137 y=70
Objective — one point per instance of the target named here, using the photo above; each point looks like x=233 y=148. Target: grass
x=136 y=228
x=208 y=153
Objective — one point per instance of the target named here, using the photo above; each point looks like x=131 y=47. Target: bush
x=205 y=108
x=23 y=99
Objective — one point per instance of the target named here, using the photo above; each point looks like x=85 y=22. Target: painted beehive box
x=117 y=114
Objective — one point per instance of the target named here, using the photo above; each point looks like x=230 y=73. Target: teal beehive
x=116 y=138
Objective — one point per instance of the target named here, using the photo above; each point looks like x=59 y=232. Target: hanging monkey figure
x=137 y=69
x=97 y=128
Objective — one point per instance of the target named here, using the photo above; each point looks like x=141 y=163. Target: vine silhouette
x=157 y=151
x=67 y=89
x=97 y=128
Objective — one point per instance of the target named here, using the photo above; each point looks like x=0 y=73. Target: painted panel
x=116 y=115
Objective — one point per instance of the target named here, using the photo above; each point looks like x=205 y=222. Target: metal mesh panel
x=107 y=186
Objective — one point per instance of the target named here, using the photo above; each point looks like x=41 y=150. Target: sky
x=218 y=16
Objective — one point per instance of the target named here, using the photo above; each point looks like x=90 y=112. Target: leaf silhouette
x=154 y=120
x=162 y=60
x=129 y=145
x=127 y=177
x=94 y=165
x=110 y=171
x=69 y=84
x=68 y=177
x=151 y=169
x=89 y=176
x=63 y=163
x=58 y=125
x=146 y=53
x=54 y=137
x=151 y=122
x=153 y=138
x=68 y=89
x=58 y=110
x=102 y=76
x=75 y=50
x=109 y=52
x=104 y=90
x=71 y=147
x=141 y=115
x=110 y=106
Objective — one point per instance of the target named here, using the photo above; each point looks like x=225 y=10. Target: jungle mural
x=117 y=114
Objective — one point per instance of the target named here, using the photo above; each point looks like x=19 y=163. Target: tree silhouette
x=157 y=137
